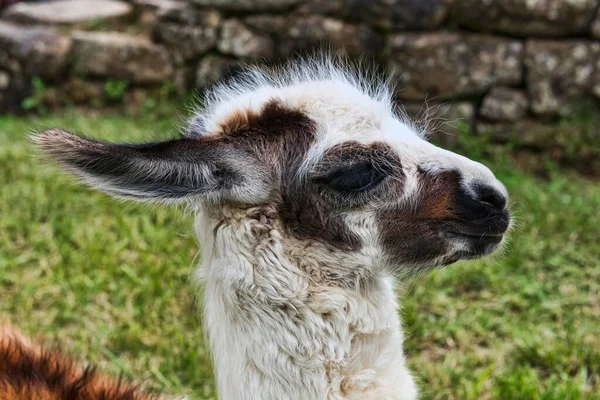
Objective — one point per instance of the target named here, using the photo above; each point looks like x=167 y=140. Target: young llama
x=312 y=195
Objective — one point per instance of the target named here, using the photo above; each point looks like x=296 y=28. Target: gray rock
x=298 y=33
x=213 y=68
x=525 y=17
x=318 y=31
x=504 y=104
x=561 y=73
x=159 y=5
x=595 y=26
x=398 y=15
x=460 y=111
x=524 y=133
x=9 y=64
x=237 y=40
x=248 y=5
x=190 y=16
x=187 y=33
x=15 y=85
x=119 y=56
x=4 y=80
x=67 y=11
x=149 y=10
x=324 y=7
x=450 y=65
x=42 y=49
x=183 y=78
x=82 y=91
x=272 y=24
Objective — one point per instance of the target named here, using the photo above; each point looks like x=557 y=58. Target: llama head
x=325 y=150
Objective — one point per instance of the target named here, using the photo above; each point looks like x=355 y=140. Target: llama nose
x=489 y=196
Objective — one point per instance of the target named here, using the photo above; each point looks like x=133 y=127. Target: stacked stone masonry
x=502 y=65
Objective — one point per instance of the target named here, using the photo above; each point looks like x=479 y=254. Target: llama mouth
x=484 y=238
x=473 y=246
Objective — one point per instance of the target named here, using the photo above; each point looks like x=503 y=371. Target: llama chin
x=314 y=197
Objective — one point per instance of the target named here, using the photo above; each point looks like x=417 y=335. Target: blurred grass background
x=110 y=281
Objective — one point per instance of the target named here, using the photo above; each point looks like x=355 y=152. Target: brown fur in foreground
x=30 y=372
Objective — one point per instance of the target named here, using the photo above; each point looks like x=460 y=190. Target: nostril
x=490 y=196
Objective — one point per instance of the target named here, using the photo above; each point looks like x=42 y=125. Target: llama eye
x=357 y=179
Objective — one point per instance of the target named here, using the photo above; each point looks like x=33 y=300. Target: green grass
x=110 y=281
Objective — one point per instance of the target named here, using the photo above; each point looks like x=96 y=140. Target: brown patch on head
x=277 y=135
x=440 y=207
x=238 y=120
x=30 y=372
x=410 y=233
x=438 y=194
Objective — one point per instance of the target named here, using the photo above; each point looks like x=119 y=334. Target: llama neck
x=276 y=332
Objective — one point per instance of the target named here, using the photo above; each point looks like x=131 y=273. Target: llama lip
x=488 y=228
x=482 y=238
x=473 y=245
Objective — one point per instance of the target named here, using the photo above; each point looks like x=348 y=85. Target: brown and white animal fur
x=313 y=197
x=29 y=371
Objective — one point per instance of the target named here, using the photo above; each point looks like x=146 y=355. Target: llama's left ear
x=170 y=170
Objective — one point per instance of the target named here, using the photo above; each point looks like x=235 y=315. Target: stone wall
x=503 y=66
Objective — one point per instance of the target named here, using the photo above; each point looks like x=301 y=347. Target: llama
x=313 y=196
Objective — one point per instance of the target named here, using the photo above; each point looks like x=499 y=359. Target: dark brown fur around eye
x=281 y=138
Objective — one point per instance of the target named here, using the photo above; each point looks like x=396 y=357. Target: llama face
x=431 y=207
x=326 y=151
x=353 y=175
x=424 y=206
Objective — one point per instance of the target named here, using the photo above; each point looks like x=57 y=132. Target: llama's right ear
x=169 y=170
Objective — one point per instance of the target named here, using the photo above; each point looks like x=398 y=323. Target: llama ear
x=170 y=170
